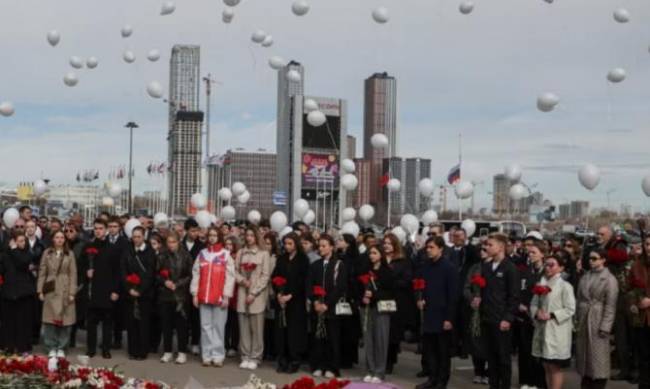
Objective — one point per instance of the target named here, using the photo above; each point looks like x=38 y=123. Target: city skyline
x=486 y=91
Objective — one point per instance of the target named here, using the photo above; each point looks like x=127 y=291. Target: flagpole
x=460 y=169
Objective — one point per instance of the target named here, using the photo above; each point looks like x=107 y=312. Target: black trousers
x=172 y=320
x=155 y=332
x=588 y=383
x=350 y=339
x=37 y=316
x=531 y=371
x=644 y=357
x=195 y=325
x=232 y=331
x=326 y=353
x=93 y=318
x=17 y=324
x=119 y=320
x=499 y=349
x=138 y=329
x=437 y=348
x=480 y=367
x=622 y=339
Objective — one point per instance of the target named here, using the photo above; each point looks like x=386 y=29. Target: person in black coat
x=77 y=243
x=18 y=292
x=193 y=245
x=102 y=284
x=440 y=303
x=138 y=265
x=35 y=247
x=406 y=311
x=349 y=254
x=119 y=245
x=330 y=274
x=291 y=313
x=499 y=303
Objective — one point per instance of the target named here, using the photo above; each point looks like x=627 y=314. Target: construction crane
x=208 y=93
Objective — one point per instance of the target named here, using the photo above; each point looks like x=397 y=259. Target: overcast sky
x=478 y=74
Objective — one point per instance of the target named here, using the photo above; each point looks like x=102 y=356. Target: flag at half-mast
x=453 y=177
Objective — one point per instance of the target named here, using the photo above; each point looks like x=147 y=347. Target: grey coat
x=597 y=294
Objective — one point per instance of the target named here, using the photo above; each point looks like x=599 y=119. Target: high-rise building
x=185 y=123
x=352 y=147
x=407 y=200
x=579 y=209
x=256 y=169
x=287 y=89
x=380 y=117
x=565 y=211
x=361 y=196
x=500 y=194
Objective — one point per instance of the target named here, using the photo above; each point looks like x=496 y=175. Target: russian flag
x=454 y=175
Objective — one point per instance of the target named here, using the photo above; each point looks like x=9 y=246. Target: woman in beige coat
x=56 y=287
x=253 y=272
x=597 y=296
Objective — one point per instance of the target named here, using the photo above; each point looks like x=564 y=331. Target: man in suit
x=118 y=245
x=193 y=245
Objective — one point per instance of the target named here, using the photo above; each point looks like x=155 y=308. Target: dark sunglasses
x=594 y=258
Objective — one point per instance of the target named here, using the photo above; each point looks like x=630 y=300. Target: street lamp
x=131 y=126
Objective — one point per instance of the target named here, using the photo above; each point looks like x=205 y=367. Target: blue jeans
x=213 y=329
x=55 y=338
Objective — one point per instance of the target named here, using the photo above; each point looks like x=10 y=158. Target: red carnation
x=92 y=251
x=364 y=279
x=133 y=279
x=478 y=280
x=249 y=267
x=617 y=256
x=419 y=284
x=318 y=291
x=2 y=280
x=637 y=283
x=164 y=273
x=541 y=290
x=279 y=281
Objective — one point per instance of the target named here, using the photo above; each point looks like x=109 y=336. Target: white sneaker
x=485 y=381
x=52 y=354
x=329 y=374
x=252 y=365
x=478 y=379
x=367 y=379
x=196 y=350
x=376 y=380
x=317 y=373
x=243 y=365
x=166 y=358
x=217 y=362
x=60 y=354
x=181 y=359
x=231 y=353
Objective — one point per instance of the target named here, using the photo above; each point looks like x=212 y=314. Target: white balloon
x=399 y=233
x=466 y=7
x=349 y=182
x=469 y=226
x=258 y=36
x=128 y=56
x=115 y=190
x=40 y=187
x=244 y=197
x=278 y=221
x=517 y=192
x=160 y=219
x=268 y=41
x=92 y=62
x=379 y=141
x=203 y=218
x=616 y=75
x=546 y=102
x=228 y=212
x=351 y=228
x=70 y=79
x=645 y=185
x=464 y=190
x=513 y=173
x=429 y=217
x=168 y=8
x=127 y=31
x=622 y=15
x=394 y=185
x=278 y=63
x=130 y=225
x=198 y=201
x=76 y=62
x=316 y=118
x=231 y=3
x=425 y=186
x=348 y=214
x=366 y=212
x=225 y=194
x=254 y=216
x=238 y=188
x=7 y=108
x=153 y=55
x=347 y=165
x=53 y=38
x=213 y=218
x=589 y=176
x=381 y=15
x=294 y=76
x=300 y=7
x=410 y=223
x=309 y=218
x=285 y=231
x=155 y=89
x=228 y=15
x=107 y=202
x=300 y=208
x=10 y=217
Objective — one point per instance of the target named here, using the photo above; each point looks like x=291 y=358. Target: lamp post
x=131 y=126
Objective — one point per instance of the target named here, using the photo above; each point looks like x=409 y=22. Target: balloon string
x=250 y=49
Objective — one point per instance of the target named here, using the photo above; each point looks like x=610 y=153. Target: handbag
x=343 y=308
x=50 y=286
x=386 y=306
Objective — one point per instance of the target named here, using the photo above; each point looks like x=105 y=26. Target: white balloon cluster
x=294 y=76
x=517 y=192
x=278 y=221
x=198 y=201
x=348 y=214
x=310 y=105
x=316 y=118
x=254 y=216
x=225 y=194
x=366 y=212
x=379 y=141
x=238 y=188
x=351 y=228
x=347 y=165
x=300 y=208
x=464 y=190
x=429 y=217
x=309 y=218
x=228 y=212
x=10 y=217
x=349 y=182
x=203 y=218
x=278 y=63
x=425 y=186
x=7 y=108
x=394 y=185
x=40 y=187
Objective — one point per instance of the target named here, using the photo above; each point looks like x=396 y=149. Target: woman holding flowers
x=597 y=297
x=289 y=282
x=378 y=284
x=552 y=310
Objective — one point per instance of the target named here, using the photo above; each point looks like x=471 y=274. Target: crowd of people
x=330 y=300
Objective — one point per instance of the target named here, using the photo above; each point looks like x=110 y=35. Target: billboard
x=319 y=169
